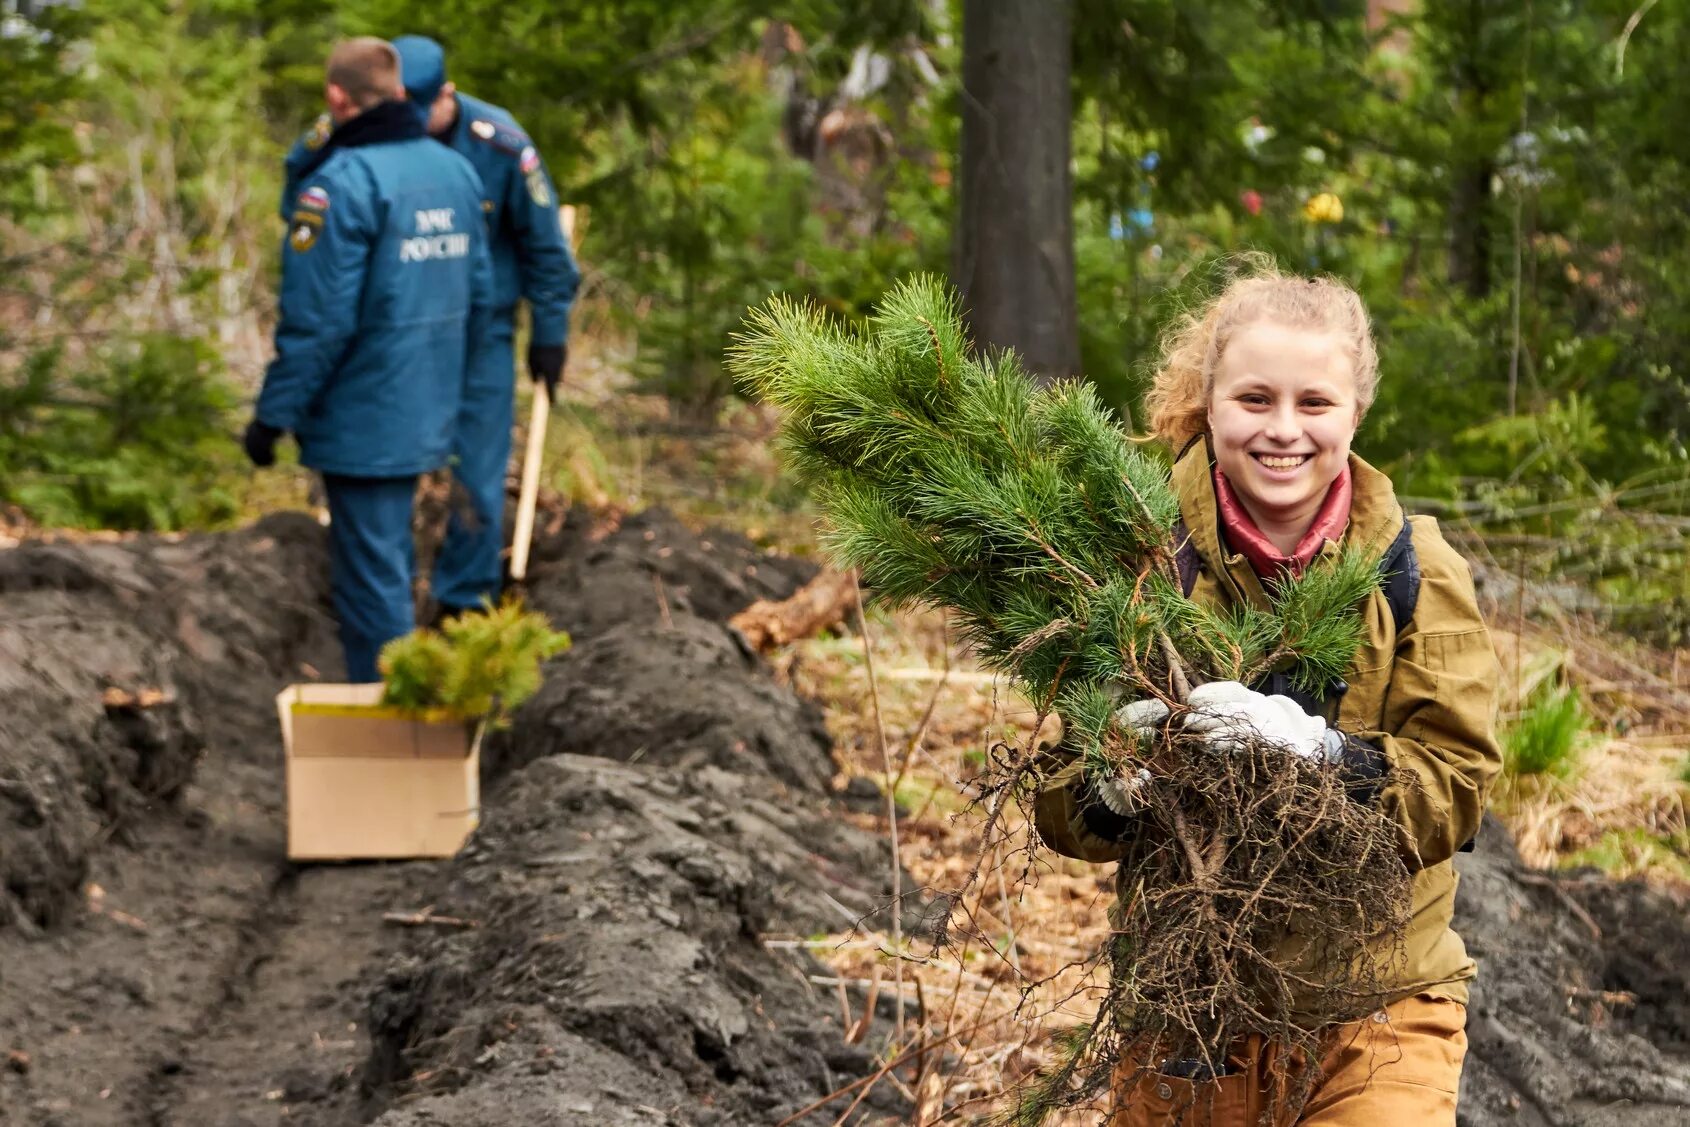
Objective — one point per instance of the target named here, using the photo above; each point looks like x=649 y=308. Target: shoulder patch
x=314 y=199
x=505 y=138
x=303 y=229
x=530 y=159
x=318 y=135
x=538 y=190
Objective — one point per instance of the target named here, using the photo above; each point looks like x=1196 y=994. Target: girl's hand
x=1143 y=717
x=1227 y=715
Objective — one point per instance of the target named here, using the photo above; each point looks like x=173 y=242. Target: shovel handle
x=526 y=500
x=540 y=414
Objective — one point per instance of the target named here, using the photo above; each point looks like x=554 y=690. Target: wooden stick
x=539 y=415
x=891 y=806
x=425 y=918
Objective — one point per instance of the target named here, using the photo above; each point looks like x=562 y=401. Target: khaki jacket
x=1427 y=699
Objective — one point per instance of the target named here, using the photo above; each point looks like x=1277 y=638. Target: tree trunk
x=1473 y=166
x=1469 y=229
x=1014 y=248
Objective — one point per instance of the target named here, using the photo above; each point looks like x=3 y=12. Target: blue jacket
x=387 y=294
x=531 y=258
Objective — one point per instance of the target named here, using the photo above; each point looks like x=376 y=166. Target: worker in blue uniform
x=532 y=260
x=386 y=302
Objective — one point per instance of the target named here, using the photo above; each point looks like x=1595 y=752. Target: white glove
x=1142 y=716
x=1227 y=716
x=1124 y=793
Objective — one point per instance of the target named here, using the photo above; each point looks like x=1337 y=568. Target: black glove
x=545 y=365
x=260 y=443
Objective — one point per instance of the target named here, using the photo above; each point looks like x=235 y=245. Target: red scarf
x=1267 y=561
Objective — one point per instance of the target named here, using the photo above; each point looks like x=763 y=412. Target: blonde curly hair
x=1177 y=403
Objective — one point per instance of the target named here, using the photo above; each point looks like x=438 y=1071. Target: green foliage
x=1548 y=735
x=950 y=479
x=139 y=144
x=140 y=436
x=39 y=77
x=478 y=665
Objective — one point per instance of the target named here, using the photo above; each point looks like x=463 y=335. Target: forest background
x=1507 y=182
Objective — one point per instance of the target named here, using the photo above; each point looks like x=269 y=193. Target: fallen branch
x=426 y=918
x=115 y=699
x=1606 y=997
x=820 y=604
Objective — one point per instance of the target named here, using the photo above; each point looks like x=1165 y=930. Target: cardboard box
x=364 y=781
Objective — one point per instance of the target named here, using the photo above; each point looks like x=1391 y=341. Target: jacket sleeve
x=324 y=262
x=545 y=265
x=1438 y=735
x=1070 y=819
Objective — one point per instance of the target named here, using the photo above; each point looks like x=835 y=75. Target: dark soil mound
x=620 y=910
x=680 y=696
x=1554 y=1039
x=652 y=568
x=621 y=904
x=210 y=624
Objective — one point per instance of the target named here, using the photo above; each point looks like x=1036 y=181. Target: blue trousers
x=469 y=567
x=371 y=561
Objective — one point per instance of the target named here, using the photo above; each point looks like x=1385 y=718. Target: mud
x=209 y=623
x=164 y=965
x=681 y=697
x=622 y=908
x=657 y=812
x=1574 y=1021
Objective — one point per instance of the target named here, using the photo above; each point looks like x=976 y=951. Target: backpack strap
x=1186 y=560
x=1400 y=569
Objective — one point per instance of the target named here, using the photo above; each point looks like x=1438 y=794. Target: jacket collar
x=386 y=121
x=1375 y=516
x=1240 y=531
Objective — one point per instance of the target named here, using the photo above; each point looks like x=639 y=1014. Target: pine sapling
x=479 y=666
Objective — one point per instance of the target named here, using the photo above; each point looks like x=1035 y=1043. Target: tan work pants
x=1400 y=1066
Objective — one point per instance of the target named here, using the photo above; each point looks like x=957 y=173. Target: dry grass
x=1628 y=781
x=1024 y=961
x=611 y=445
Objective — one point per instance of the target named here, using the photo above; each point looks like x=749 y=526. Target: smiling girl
x=1261 y=394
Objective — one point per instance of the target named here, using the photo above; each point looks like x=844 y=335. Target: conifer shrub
x=948 y=478
x=479 y=665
